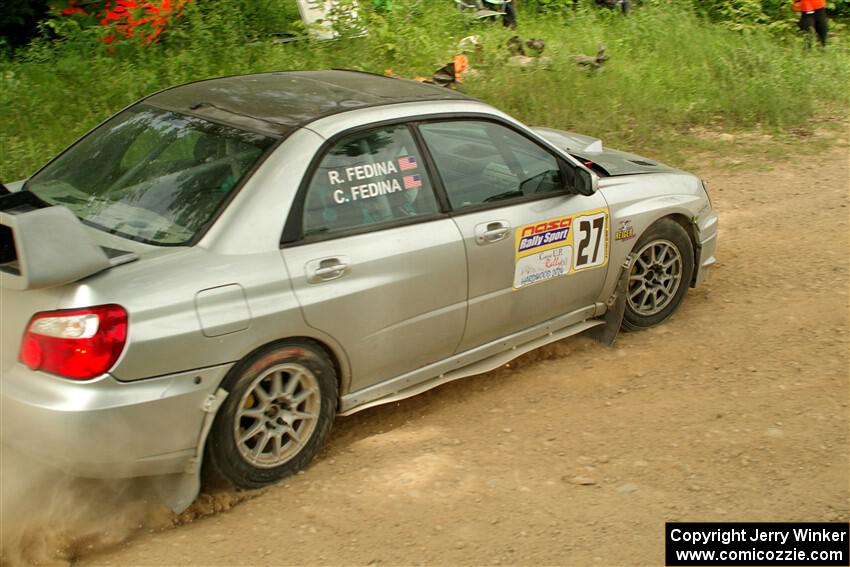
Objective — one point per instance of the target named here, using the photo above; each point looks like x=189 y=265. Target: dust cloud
x=50 y=518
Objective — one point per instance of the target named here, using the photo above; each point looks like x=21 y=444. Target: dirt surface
x=734 y=410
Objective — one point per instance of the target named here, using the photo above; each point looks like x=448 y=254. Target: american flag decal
x=412 y=181
x=407 y=162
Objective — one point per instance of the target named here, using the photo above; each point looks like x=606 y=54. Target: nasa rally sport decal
x=560 y=246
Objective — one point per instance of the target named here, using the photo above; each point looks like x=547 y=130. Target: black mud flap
x=178 y=491
x=607 y=333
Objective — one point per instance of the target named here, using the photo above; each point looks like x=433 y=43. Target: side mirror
x=586 y=183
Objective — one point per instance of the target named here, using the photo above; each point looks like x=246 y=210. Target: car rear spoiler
x=46 y=246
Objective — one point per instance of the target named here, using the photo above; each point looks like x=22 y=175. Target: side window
x=483 y=162
x=368 y=178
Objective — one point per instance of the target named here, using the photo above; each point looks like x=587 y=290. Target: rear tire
x=660 y=275
x=278 y=413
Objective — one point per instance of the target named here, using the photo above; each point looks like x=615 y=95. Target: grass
x=669 y=73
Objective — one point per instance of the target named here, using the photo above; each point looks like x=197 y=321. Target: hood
x=603 y=161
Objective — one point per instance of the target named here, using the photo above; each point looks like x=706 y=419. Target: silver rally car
x=211 y=275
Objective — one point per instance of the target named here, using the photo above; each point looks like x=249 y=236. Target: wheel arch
x=333 y=352
x=691 y=230
x=662 y=224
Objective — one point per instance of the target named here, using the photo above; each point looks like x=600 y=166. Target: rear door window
x=368 y=179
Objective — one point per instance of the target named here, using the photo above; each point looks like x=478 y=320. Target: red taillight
x=75 y=343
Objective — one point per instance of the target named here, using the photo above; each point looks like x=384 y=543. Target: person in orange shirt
x=812 y=13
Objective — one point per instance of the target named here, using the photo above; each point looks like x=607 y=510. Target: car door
x=375 y=263
x=535 y=250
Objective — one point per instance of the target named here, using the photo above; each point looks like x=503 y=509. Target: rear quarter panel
x=178 y=321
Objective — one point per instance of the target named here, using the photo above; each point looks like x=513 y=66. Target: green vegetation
x=670 y=70
x=735 y=13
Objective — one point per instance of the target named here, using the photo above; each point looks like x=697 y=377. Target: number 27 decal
x=591 y=240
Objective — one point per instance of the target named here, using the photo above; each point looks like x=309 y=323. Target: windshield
x=149 y=174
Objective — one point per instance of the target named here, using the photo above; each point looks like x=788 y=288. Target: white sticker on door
x=560 y=246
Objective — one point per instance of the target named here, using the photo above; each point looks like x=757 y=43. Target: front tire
x=660 y=275
x=277 y=416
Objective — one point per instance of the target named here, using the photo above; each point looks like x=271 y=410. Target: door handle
x=490 y=232
x=330 y=271
x=327 y=269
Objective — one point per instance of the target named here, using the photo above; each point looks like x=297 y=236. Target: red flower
x=144 y=20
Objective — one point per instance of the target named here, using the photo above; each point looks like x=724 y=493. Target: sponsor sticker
x=560 y=246
x=625 y=230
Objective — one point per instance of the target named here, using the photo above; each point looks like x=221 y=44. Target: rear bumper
x=105 y=428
